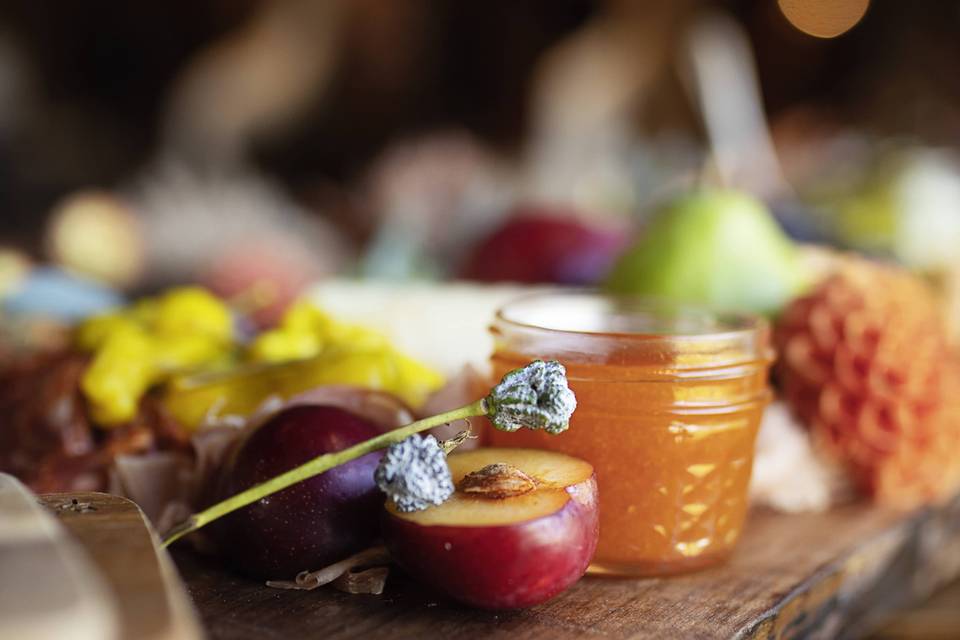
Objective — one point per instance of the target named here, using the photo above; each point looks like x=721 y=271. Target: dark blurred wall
x=92 y=84
x=99 y=75
x=895 y=72
x=93 y=80
x=441 y=64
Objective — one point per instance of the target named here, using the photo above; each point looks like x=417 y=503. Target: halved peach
x=521 y=527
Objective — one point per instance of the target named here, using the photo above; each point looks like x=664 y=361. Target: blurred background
x=258 y=146
x=261 y=147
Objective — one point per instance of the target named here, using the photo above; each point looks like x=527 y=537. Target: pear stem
x=315 y=467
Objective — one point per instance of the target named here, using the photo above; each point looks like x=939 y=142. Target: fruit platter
x=726 y=434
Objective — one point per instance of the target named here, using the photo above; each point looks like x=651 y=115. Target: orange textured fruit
x=865 y=362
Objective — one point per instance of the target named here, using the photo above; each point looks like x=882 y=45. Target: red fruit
x=503 y=552
x=534 y=247
x=310 y=524
x=268 y=274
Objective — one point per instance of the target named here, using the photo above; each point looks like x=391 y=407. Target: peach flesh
x=504 y=553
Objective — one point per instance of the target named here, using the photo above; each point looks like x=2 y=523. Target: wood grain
x=49 y=588
x=837 y=574
x=150 y=600
x=935 y=619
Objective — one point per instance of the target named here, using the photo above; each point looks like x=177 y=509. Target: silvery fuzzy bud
x=535 y=396
x=414 y=474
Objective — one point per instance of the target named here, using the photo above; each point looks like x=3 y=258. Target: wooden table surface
x=937 y=618
x=838 y=574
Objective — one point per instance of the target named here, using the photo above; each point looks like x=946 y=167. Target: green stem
x=315 y=467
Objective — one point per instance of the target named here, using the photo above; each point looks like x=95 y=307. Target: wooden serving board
x=49 y=588
x=143 y=584
x=85 y=565
x=837 y=574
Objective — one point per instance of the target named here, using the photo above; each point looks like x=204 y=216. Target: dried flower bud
x=535 y=396
x=414 y=474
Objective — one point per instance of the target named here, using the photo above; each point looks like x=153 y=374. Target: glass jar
x=669 y=403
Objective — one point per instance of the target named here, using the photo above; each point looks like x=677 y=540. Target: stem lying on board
x=317 y=466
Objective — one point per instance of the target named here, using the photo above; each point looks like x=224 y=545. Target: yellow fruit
x=415 y=381
x=239 y=392
x=283 y=346
x=138 y=347
x=304 y=317
x=191 y=311
x=119 y=374
x=175 y=353
x=184 y=338
x=305 y=331
x=94 y=331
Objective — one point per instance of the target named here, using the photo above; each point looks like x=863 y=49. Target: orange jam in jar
x=668 y=406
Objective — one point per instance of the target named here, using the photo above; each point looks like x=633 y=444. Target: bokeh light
x=824 y=18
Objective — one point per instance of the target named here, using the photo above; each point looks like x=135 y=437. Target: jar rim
x=695 y=322
x=654 y=339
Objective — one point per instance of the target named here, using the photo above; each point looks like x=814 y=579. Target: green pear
x=721 y=249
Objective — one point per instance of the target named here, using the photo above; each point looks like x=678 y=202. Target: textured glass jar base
x=658 y=568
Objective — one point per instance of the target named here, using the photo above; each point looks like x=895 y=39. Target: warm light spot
x=691 y=549
x=701 y=470
x=824 y=18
